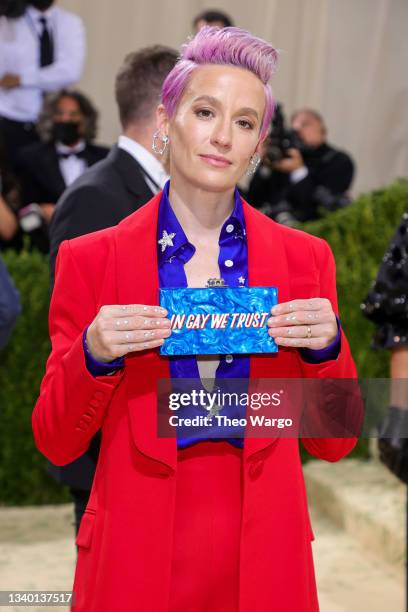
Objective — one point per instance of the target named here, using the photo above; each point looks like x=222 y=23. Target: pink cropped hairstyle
x=232 y=47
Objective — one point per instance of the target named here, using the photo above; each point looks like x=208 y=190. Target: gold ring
x=309 y=332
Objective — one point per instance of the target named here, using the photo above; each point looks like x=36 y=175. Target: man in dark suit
x=111 y=190
x=67 y=128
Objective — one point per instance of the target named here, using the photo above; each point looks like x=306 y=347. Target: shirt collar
x=65 y=150
x=149 y=163
x=171 y=234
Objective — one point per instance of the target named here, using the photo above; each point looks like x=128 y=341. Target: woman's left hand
x=303 y=323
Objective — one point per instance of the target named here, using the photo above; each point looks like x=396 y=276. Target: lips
x=216 y=161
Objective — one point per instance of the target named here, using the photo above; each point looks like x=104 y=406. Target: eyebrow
x=242 y=111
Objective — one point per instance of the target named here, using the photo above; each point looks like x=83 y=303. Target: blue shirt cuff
x=98 y=368
x=320 y=355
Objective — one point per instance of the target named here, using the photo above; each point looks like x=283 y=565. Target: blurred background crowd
x=48 y=129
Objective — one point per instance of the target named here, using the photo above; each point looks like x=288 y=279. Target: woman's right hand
x=118 y=330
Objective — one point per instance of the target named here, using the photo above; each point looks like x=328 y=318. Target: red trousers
x=205 y=564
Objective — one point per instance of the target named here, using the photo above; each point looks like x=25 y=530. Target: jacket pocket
x=86 y=528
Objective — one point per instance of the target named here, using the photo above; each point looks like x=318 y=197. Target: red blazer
x=125 y=538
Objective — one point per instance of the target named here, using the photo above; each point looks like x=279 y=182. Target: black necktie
x=46 y=45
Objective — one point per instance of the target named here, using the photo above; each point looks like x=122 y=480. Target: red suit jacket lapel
x=138 y=283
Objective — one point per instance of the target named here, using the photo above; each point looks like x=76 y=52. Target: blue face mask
x=41 y=5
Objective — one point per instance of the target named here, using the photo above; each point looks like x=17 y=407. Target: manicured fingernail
x=161 y=311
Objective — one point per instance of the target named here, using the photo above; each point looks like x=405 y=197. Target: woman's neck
x=200 y=212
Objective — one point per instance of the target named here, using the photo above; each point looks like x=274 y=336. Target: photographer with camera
x=300 y=174
x=67 y=128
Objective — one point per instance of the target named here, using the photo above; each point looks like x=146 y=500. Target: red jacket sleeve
x=328 y=402
x=71 y=405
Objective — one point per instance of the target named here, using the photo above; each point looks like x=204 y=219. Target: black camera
x=281 y=138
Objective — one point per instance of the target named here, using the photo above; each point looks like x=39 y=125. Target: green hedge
x=358 y=236
x=23 y=476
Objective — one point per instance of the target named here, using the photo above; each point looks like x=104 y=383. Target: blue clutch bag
x=218 y=320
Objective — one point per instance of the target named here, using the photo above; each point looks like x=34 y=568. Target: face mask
x=66 y=132
x=41 y=5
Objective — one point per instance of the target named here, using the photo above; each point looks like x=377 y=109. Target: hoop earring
x=164 y=140
x=253 y=164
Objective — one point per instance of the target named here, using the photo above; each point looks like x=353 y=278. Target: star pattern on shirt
x=241 y=280
x=239 y=234
x=166 y=240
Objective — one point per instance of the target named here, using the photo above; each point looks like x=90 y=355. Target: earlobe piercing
x=164 y=141
x=253 y=164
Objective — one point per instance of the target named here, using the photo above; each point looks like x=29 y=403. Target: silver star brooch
x=166 y=240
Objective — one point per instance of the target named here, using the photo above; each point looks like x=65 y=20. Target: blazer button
x=255 y=469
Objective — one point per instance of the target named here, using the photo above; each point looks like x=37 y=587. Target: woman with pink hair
x=180 y=525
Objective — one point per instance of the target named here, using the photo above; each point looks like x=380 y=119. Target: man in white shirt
x=41 y=51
